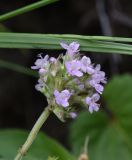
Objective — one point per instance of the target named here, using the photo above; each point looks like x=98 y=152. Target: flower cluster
x=70 y=80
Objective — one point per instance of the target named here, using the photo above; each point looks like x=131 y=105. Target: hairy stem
x=32 y=135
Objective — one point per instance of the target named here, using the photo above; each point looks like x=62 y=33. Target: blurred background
x=20 y=103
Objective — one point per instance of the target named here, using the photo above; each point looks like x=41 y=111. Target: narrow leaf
x=17 y=68
x=26 y=9
x=49 y=41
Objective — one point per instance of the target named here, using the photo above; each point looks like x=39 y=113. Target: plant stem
x=32 y=135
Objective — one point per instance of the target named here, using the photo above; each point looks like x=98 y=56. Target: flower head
x=91 y=101
x=70 y=80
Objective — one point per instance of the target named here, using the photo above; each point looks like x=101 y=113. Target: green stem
x=32 y=135
x=25 y=9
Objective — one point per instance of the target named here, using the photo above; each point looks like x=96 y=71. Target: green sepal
x=59 y=112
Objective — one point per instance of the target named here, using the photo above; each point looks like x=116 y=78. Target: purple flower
x=96 y=78
x=99 y=76
x=73 y=68
x=72 y=48
x=41 y=64
x=62 y=97
x=91 y=101
x=98 y=87
x=86 y=65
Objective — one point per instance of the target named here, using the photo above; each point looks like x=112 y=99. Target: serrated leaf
x=110 y=135
x=42 y=148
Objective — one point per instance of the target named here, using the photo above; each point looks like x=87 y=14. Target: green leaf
x=52 y=41
x=52 y=158
x=17 y=68
x=110 y=132
x=42 y=148
x=26 y=9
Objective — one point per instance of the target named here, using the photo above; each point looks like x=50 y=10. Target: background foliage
x=109 y=131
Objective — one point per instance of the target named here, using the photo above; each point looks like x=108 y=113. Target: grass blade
x=17 y=68
x=52 y=41
x=26 y=9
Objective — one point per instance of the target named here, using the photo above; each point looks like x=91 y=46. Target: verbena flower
x=62 y=97
x=86 y=65
x=72 y=48
x=70 y=81
x=74 y=68
x=41 y=64
x=98 y=87
x=91 y=101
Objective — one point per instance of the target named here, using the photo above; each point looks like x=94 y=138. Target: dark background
x=20 y=103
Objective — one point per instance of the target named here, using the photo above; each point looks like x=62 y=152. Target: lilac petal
x=93 y=107
x=96 y=97
x=42 y=71
x=66 y=93
x=38 y=62
x=34 y=67
x=88 y=100
x=85 y=60
x=64 y=45
x=96 y=108
x=74 y=46
x=78 y=73
x=65 y=104
x=83 y=68
x=92 y=82
x=99 y=88
x=68 y=66
x=98 y=67
x=73 y=67
x=86 y=65
x=62 y=97
x=46 y=57
x=90 y=70
x=53 y=60
x=56 y=93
